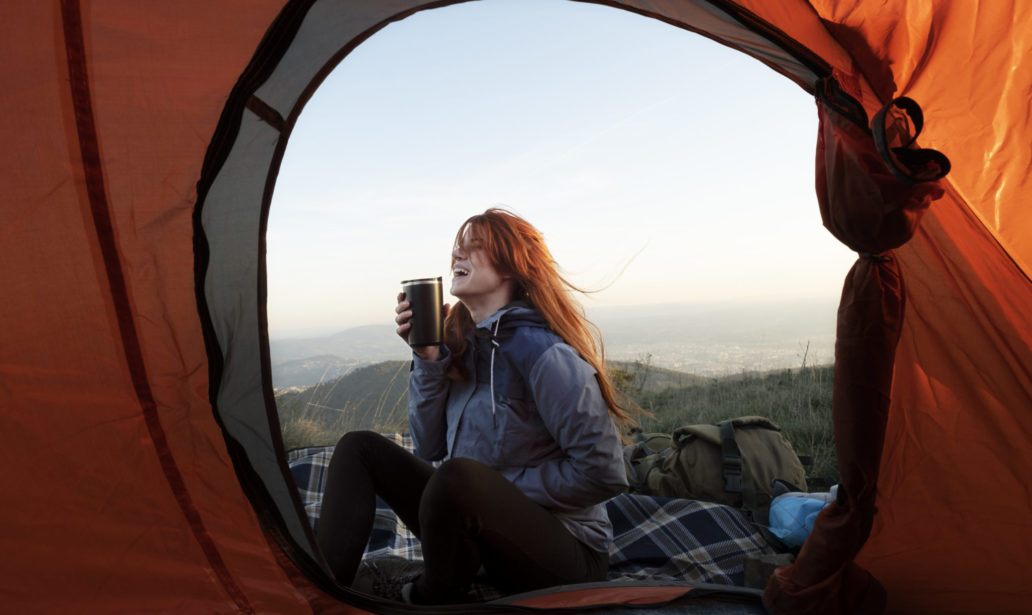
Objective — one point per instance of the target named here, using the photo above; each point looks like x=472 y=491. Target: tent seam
x=96 y=191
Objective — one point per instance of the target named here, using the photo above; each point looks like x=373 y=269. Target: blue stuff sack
x=792 y=515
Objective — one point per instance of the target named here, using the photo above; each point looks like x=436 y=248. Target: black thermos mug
x=426 y=300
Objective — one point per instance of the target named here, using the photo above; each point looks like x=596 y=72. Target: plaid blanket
x=389 y=538
x=655 y=539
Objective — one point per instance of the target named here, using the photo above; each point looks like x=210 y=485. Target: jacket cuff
x=431 y=367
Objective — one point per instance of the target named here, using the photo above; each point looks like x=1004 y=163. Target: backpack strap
x=731 y=458
x=737 y=478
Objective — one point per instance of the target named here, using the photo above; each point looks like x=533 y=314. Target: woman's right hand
x=404 y=314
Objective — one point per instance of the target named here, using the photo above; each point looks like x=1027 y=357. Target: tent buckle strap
x=732 y=473
x=895 y=129
x=878 y=258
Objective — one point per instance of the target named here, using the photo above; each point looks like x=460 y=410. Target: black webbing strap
x=895 y=129
x=731 y=458
x=736 y=470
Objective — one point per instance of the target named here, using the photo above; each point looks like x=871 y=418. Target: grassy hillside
x=641 y=377
x=798 y=400
x=372 y=397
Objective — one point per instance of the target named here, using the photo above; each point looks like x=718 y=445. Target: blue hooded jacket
x=532 y=410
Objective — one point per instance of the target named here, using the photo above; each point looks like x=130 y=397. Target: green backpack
x=734 y=462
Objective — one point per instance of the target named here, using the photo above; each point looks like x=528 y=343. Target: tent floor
x=646 y=599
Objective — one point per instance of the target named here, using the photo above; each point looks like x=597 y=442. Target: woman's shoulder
x=535 y=339
x=531 y=345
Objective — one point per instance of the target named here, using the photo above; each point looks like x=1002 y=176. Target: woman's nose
x=457 y=254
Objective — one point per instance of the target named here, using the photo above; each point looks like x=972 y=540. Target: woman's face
x=475 y=281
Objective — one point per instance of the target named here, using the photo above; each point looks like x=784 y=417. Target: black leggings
x=464 y=513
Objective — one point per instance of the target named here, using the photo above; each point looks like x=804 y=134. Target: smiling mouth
x=459 y=272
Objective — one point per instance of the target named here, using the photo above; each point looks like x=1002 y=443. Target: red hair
x=517 y=250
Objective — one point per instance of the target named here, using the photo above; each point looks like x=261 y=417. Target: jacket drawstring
x=494 y=347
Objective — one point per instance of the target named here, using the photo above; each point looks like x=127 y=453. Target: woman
x=519 y=406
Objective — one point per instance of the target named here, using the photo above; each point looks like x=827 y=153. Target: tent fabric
x=141 y=148
x=951 y=384
x=870 y=209
x=104 y=388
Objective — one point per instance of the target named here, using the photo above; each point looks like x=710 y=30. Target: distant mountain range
x=703 y=339
x=304 y=362
x=367 y=343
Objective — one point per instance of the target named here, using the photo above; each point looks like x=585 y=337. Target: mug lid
x=416 y=281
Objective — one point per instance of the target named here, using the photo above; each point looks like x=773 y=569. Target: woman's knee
x=459 y=475
x=357 y=439
x=355 y=447
x=360 y=441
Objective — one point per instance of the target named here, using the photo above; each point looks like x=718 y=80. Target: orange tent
x=143 y=464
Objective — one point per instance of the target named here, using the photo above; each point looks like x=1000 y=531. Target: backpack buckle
x=732 y=473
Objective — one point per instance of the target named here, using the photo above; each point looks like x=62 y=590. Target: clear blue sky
x=660 y=165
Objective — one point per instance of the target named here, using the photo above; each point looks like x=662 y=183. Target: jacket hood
x=514 y=315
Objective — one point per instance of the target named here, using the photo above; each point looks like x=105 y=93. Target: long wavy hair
x=517 y=250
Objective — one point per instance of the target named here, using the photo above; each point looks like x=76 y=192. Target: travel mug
x=426 y=299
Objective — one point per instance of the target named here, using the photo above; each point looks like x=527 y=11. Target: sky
x=660 y=166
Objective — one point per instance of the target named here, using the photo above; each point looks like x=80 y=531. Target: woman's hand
x=404 y=314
